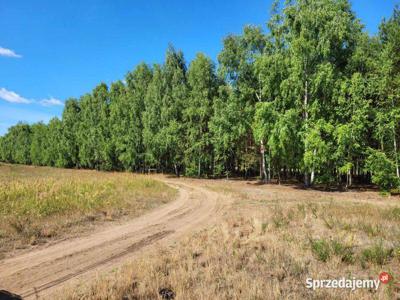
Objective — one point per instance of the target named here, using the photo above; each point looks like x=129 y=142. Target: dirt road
x=42 y=271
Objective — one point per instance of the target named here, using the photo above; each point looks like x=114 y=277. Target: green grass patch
x=321 y=249
x=376 y=254
x=325 y=249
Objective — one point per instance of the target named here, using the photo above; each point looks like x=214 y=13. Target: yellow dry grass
x=40 y=203
x=270 y=240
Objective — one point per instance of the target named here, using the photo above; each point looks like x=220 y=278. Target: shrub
x=382 y=170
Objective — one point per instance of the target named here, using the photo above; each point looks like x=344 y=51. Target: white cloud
x=12 y=97
x=51 y=102
x=8 y=53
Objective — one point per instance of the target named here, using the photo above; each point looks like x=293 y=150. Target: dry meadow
x=269 y=241
x=40 y=204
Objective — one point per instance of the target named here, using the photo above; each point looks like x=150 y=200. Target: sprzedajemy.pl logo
x=352 y=284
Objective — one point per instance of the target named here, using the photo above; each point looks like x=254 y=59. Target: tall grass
x=38 y=201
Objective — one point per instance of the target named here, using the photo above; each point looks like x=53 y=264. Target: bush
x=382 y=170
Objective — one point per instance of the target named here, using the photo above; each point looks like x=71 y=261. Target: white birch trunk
x=313 y=171
x=263 y=170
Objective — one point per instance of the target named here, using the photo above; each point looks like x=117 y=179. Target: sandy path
x=43 y=271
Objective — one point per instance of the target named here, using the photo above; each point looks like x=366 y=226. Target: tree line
x=313 y=98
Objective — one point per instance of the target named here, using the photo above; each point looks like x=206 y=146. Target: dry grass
x=39 y=203
x=269 y=241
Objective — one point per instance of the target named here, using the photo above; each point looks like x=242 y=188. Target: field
x=38 y=204
x=219 y=239
x=269 y=240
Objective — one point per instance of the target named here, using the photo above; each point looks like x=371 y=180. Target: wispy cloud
x=51 y=102
x=8 y=53
x=12 y=97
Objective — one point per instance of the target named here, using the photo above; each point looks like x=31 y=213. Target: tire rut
x=134 y=247
x=44 y=271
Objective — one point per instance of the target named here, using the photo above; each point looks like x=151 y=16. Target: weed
x=376 y=254
x=321 y=249
x=324 y=249
x=344 y=252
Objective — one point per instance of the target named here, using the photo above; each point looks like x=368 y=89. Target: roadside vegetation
x=41 y=203
x=268 y=243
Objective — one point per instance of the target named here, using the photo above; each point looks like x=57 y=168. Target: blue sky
x=52 y=50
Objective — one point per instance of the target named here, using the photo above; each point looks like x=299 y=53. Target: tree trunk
x=279 y=176
x=176 y=170
x=349 y=179
x=269 y=166
x=395 y=153
x=199 y=169
x=306 y=182
x=313 y=171
x=263 y=172
x=312 y=177
x=357 y=168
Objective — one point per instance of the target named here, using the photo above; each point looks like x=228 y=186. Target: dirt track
x=41 y=272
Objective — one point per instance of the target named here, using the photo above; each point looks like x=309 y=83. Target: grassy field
x=40 y=203
x=268 y=243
